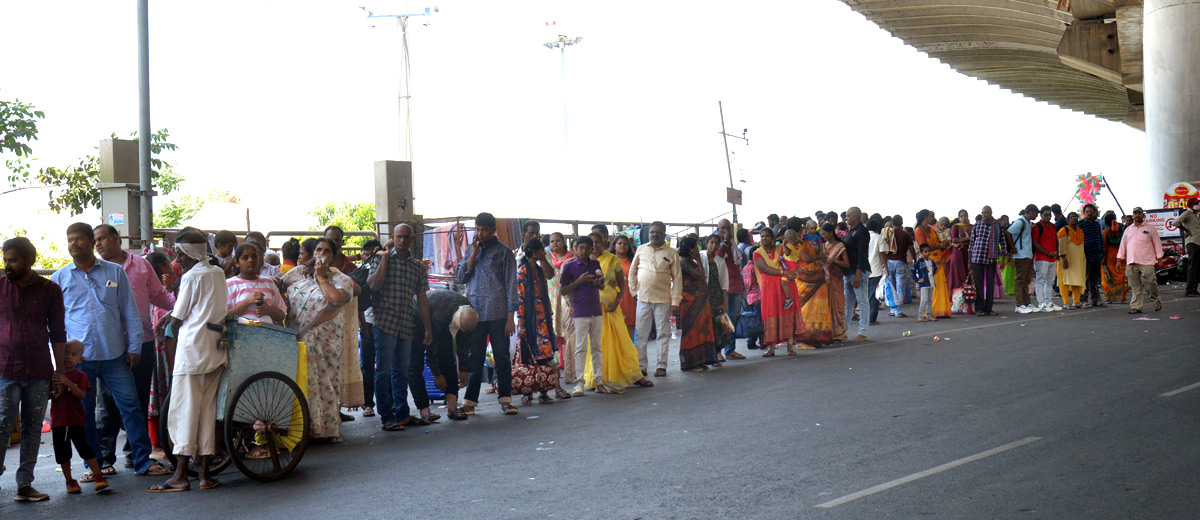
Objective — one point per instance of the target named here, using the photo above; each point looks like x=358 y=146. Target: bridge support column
x=1171 y=40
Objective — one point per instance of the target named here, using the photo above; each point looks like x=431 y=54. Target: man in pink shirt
x=1140 y=250
x=147 y=289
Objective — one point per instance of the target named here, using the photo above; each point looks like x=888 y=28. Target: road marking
x=933 y=471
x=1180 y=391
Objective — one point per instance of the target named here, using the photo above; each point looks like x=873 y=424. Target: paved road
x=1026 y=416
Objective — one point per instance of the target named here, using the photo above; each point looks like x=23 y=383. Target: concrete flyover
x=1081 y=55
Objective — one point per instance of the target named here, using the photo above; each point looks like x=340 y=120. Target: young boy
x=582 y=280
x=923 y=271
x=66 y=418
x=224 y=242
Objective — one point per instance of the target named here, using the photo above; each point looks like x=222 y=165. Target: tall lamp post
x=734 y=195
x=403 y=93
x=561 y=43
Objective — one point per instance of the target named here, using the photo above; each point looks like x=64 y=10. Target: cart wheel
x=267 y=426
x=164 y=439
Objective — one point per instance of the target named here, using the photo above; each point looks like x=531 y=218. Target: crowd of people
x=113 y=338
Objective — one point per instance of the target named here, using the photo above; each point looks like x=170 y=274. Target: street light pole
x=145 y=186
x=728 y=163
x=561 y=43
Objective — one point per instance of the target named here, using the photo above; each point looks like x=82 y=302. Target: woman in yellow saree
x=812 y=296
x=925 y=234
x=621 y=368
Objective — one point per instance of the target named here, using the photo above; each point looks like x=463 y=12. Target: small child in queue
x=66 y=418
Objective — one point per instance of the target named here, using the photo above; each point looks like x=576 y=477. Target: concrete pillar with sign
x=394 y=198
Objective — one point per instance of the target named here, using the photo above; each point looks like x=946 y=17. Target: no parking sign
x=1161 y=219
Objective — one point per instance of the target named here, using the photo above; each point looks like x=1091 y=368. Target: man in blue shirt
x=1022 y=233
x=490 y=274
x=1093 y=251
x=101 y=312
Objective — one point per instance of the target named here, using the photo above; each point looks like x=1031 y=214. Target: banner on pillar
x=1178 y=194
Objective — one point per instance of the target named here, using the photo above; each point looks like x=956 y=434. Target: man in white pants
x=581 y=280
x=655 y=278
x=198 y=319
x=1045 y=259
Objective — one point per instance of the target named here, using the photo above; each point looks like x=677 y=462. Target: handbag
x=749 y=323
x=529 y=379
x=968 y=288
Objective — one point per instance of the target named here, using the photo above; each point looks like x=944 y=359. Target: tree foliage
x=350 y=216
x=18 y=126
x=50 y=255
x=171 y=214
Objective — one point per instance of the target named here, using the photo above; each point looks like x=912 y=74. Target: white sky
x=287 y=104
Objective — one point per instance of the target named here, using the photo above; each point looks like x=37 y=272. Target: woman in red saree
x=779 y=324
x=697 y=344
x=957 y=261
x=1113 y=270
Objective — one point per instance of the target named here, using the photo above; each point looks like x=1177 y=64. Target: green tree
x=75 y=188
x=49 y=254
x=18 y=128
x=351 y=216
x=171 y=214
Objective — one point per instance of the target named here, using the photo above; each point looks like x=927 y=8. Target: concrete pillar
x=1171 y=43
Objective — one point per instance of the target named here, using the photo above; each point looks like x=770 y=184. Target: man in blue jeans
x=897 y=264
x=490 y=274
x=101 y=312
x=396 y=277
x=855 y=278
x=732 y=256
x=31 y=326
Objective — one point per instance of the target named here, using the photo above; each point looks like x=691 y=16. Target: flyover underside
x=1012 y=44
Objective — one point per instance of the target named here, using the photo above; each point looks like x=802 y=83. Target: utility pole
x=734 y=195
x=146 y=223
x=404 y=96
x=561 y=43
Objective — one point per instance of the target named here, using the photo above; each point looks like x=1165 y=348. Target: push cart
x=262 y=413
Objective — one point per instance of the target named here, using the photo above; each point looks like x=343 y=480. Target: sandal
x=644 y=383
x=468 y=409
x=456 y=414
x=346 y=417
x=509 y=409
x=88 y=477
x=430 y=417
x=392 y=427
x=720 y=358
x=601 y=389
x=559 y=393
x=770 y=352
x=167 y=488
x=661 y=372
x=526 y=400
x=413 y=420
x=1135 y=311
x=1157 y=306
x=369 y=412
x=735 y=355
x=155 y=470
x=791 y=350
x=212 y=483
x=545 y=399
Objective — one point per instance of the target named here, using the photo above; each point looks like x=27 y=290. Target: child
x=251 y=297
x=223 y=244
x=923 y=271
x=943 y=230
x=66 y=418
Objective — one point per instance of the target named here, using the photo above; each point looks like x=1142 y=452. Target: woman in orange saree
x=925 y=234
x=813 y=294
x=836 y=261
x=1113 y=269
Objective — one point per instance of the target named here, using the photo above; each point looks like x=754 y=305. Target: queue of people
x=109 y=339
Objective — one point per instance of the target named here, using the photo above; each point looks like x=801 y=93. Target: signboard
x=116 y=219
x=1178 y=194
x=734 y=196
x=1160 y=219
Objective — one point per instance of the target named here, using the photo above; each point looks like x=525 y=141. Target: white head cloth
x=197 y=252
x=456 y=321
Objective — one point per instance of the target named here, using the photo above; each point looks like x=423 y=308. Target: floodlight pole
x=404 y=96
x=561 y=43
x=145 y=186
